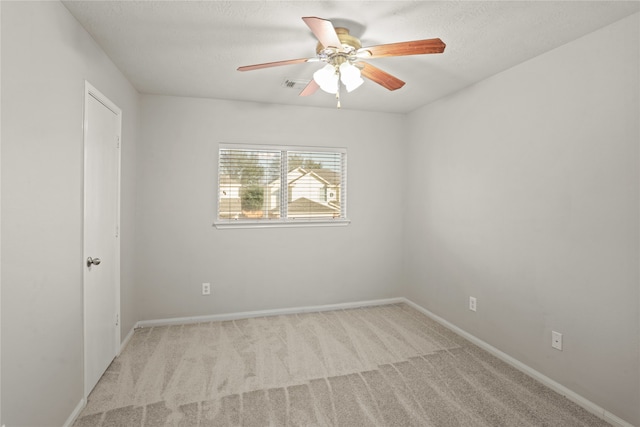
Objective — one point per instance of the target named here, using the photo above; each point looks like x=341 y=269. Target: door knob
x=94 y=261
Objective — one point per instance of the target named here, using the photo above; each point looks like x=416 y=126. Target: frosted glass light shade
x=350 y=76
x=327 y=78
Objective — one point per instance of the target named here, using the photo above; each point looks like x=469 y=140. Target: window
x=251 y=180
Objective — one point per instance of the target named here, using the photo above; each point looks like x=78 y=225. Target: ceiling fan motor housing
x=349 y=42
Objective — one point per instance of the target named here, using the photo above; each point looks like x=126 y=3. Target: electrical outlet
x=556 y=340
x=472 y=303
x=206 y=288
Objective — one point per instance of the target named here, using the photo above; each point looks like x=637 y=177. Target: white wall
x=0 y=220
x=524 y=192
x=46 y=56
x=258 y=269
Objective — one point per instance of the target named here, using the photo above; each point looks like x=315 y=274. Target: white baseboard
x=615 y=420
x=78 y=409
x=126 y=340
x=264 y=313
x=555 y=386
x=75 y=413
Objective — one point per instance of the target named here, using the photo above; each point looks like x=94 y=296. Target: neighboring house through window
x=250 y=190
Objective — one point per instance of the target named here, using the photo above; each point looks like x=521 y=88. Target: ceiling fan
x=344 y=57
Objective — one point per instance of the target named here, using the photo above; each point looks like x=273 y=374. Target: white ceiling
x=192 y=49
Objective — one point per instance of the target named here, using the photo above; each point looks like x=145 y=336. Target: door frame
x=91 y=92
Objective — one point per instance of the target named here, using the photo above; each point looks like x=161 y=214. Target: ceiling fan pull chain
x=338 y=92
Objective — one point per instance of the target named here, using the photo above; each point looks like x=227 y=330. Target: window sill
x=247 y=223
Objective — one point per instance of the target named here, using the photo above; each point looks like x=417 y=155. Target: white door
x=101 y=263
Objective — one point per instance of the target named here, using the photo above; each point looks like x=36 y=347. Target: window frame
x=343 y=220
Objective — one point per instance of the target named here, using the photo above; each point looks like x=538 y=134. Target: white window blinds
x=280 y=185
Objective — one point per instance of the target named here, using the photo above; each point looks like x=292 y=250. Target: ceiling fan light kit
x=328 y=77
x=344 y=54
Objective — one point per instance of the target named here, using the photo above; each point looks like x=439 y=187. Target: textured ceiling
x=186 y=48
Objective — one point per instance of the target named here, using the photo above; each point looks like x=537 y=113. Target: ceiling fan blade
x=324 y=31
x=381 y=77
x=415 y=47
x=310 y=89
x=274 y=64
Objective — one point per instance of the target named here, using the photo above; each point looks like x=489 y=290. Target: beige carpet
x=377 y=366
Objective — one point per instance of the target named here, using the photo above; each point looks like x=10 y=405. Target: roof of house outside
x=307 y=207
x=327 y=176
x=331 y=176
x=227 y=180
